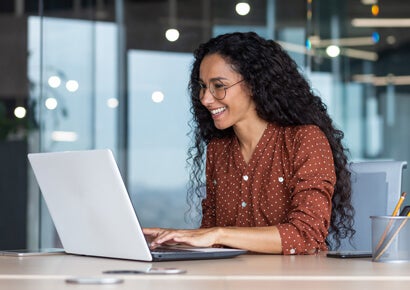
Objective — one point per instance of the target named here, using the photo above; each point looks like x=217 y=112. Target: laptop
x=92 y=212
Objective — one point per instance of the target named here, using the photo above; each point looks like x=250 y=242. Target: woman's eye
x=219 y=86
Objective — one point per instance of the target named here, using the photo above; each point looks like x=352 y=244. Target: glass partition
x=75 y=95
x=89 y=74
x=158 y=141
x=361 y=46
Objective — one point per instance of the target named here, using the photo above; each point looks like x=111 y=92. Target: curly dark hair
x=282 y=96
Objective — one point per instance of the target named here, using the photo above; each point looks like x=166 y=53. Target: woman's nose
x=207 y=96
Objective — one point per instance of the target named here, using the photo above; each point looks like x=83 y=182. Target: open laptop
x=92 y=211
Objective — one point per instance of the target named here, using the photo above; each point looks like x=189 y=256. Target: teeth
x=217 y=111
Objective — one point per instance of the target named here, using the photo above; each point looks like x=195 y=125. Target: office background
x=83 y=74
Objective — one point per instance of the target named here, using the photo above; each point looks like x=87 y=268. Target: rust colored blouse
x=288 y=182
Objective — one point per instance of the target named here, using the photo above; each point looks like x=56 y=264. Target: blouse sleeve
x=311 y=189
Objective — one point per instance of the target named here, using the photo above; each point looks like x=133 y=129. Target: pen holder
x=390 y=238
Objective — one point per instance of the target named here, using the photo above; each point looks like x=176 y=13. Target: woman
x=276 y=177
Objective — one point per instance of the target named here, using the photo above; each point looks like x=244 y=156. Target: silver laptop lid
x=72 y=183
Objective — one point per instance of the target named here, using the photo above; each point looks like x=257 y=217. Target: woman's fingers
x=198 y=238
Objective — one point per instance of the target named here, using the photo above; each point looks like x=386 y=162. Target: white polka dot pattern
x=288 y=182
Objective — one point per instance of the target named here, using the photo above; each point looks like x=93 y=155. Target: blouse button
x=281 y=179
x=214 y=181
x=243 y=204
x=292 y=251
x=245 y=177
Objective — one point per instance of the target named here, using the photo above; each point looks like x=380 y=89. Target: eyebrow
x=215 y=79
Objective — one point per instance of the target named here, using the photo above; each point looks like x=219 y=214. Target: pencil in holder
x=390 y=238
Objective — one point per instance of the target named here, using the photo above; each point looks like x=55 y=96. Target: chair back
x=376 y=189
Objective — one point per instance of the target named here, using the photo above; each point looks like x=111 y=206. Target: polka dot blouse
x=288 y=182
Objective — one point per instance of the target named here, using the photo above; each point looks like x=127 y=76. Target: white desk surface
x=243 y=272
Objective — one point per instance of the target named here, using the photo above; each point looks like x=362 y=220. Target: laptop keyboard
x=168 y=250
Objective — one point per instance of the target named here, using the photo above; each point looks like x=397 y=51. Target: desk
x=243 y=272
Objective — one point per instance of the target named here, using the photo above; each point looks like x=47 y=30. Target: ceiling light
x=242 y=8
x=381 y=22
x=157 y=97
x=391 y=39
x=349 y=52
x=376 y=37
x=112 y=103
x=369 y=2
x=351 y=41
x=375 y=10
x=51 y=103
x=64 y=136
x=172 y=34
x=20 y=112
x=54 y=81
x=308 y=44
x=71 y=86
x=360 y=54
x=333 y=50
x=295 y=48
x=383 y=80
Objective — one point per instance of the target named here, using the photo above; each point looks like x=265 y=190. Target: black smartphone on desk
x=349 y=254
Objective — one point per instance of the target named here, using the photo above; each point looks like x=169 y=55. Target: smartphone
x=31 y=252
x=349 y=254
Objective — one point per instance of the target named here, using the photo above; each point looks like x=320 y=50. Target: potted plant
x=13 y=178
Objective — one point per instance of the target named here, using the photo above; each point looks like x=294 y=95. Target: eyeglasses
x=216 y=87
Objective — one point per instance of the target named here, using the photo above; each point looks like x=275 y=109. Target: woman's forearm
x=257 y=239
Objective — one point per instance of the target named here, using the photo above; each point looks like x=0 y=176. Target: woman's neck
x=248 y=135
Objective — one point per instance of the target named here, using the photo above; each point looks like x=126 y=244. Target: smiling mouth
x=217 y=111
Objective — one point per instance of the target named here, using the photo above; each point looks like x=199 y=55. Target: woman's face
x=237 y=106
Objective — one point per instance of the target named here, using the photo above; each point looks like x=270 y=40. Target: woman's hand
x=254 y=239
x=194 y=237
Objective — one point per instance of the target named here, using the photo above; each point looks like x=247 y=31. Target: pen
x=405 y=211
